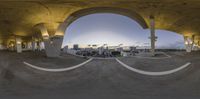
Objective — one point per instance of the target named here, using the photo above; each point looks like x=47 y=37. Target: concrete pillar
x=11 y=45
x=41 y=46
x=152 y=37
x=34 y=45
x=189 y=42
x=52 y=41
x=53 y=46
x=198 y=45
x=18 y=44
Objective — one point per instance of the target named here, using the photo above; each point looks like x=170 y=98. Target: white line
x=167 y=56
x=153 y=73
x=76 y=55
x=151 y=57
x=57 y=70
x=100 y=58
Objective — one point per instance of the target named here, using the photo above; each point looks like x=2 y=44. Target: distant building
x=65 y=49
x=71 y=51
x=100 y=50
x=132 y=48
x=75 y=47
x=119 y=49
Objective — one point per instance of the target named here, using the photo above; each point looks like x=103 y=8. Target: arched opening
x=115 y=30
x=169 y=40
x=83 y=12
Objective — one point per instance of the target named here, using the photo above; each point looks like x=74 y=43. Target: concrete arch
x=41 y=27
x=169 y=30
x=74 y=16
x=53 y=39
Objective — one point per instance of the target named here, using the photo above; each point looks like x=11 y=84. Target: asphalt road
x=99 y=79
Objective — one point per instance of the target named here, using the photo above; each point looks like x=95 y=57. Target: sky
x=114 y=29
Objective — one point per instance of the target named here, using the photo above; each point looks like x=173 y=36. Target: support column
x=152 y=37
x=18 y=44
x=53 y=46
x=29 y=45
x=189 y=42
x=52 y=41
x=41 y=45
x=33 y=45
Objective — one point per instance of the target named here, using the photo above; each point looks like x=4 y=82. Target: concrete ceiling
x=18 y=17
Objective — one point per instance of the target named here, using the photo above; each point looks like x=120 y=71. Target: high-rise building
x=75 y=47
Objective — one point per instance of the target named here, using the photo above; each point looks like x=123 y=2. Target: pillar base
x=18 y=42
x=188 y=48
x=189 y=43
x=53 y=46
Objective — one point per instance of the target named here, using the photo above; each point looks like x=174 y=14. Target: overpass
x=30 y=22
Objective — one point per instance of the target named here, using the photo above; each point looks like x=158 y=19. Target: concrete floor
x=98 y=79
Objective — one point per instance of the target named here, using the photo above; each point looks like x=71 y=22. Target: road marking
x=167 y=56
x=57 y=70
x=100 y=58
x=151 y=57
x=153 y=73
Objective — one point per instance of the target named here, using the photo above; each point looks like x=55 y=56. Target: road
x=99 y=79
